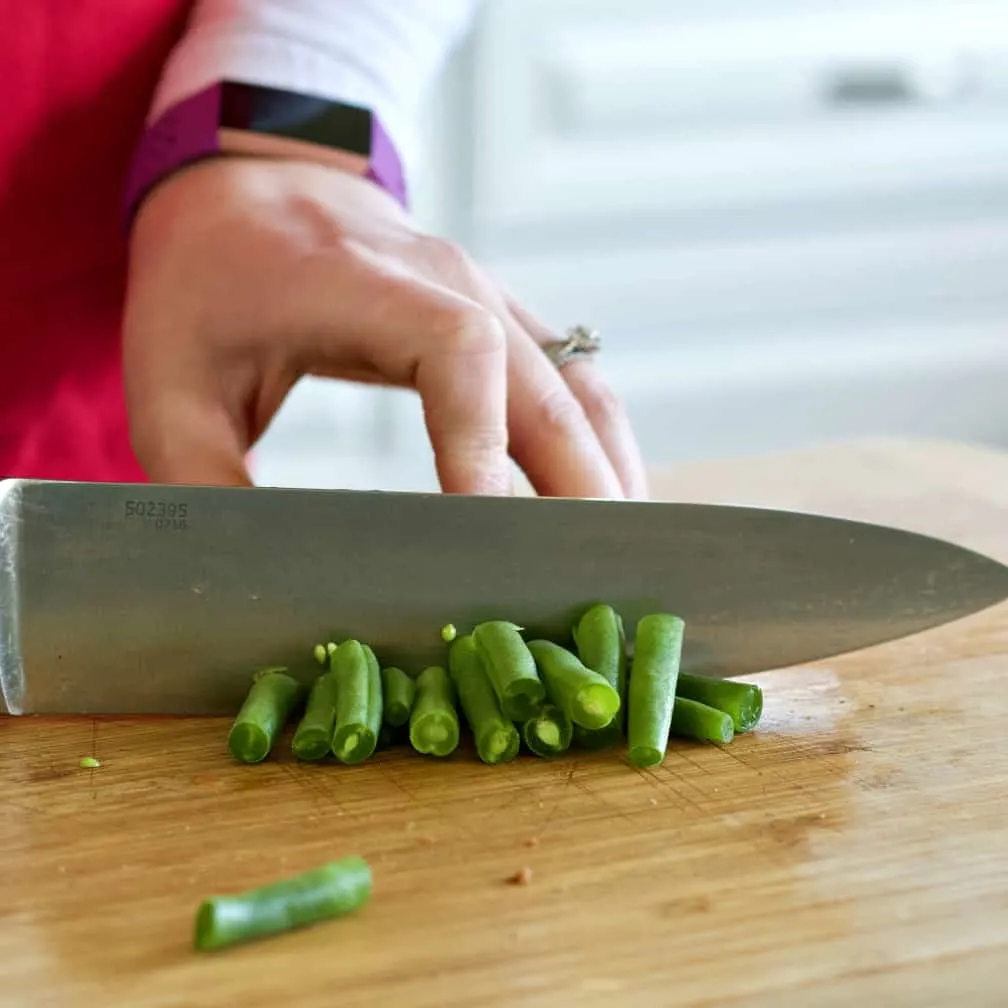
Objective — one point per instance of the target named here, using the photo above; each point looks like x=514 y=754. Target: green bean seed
x=511 y=668
x=331 y=890
x=448 y=633
x=496 y=737
x=320 y=654
x=742 y=701
x=694 y=720
x=267 y=708
x=358 y=702
x=586 y=698
x=651 y=691
x=549 y=733
x=398 y=696
x=601 y=645
x=313 y=737
x=434 y=725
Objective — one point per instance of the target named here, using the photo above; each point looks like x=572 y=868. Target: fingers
x=551 y=437
x=418 y=333
x=605 y=413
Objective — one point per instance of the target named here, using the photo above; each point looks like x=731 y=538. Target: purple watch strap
x=189 y=131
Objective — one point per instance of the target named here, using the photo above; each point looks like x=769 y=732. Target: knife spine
x=11 y=671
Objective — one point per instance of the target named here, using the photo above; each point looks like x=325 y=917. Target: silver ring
x=581 y=341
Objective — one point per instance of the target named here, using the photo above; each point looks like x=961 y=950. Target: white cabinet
x=789 y=218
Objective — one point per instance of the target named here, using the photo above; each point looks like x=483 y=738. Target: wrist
x=233 y=118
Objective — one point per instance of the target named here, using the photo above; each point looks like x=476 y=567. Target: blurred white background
x=789 y=218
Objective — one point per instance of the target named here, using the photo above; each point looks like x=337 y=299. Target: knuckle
x=450 y=262
x=600 y=401
x=558 y=410
x=472 y=330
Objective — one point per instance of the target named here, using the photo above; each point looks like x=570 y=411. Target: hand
x=246 y=275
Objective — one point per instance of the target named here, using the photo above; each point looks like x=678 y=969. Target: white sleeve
x=382 y=54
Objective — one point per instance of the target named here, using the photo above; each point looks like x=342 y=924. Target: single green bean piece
x=511 y=668
x=358 y=702
x=651 y=691
x=331 y=890
x=313 y=737
x=497 y=739
x=694 y=720
x=549 y=733
x=742 y=701
x=434 y=724
x=399 y=693
x=586 y=698
x=601 y=645
x=267 y=708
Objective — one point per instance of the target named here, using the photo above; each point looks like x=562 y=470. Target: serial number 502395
x=160 y=514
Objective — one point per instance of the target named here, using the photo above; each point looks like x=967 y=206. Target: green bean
x=434 y=725
x=496 y=738
x=601 y=644
x=511 y=668
x=657 y=651
x=742 y=701
x=549 y=733
x=694 y=720
x=586 y=698
x=331 y=890
x=313 y=737
x=399 y=692
x=267 y=708
x=358 y=702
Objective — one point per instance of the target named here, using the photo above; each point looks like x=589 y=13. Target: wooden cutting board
x=854 y=848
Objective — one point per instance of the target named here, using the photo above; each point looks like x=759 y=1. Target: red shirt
x=78 y=78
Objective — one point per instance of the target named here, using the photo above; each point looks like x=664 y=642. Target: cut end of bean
x=353 y=745
x=524 y=699
x=434 y=735
x=311 y=744
x=750 y=713
x=89 y=763
x=645 y=756
x=549 y=734
x=598 y=704
x=448 y=633
x=248 y=743
x=499 y=746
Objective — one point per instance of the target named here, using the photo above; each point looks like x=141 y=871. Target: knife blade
x=128 y=599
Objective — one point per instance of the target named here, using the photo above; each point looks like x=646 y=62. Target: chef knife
x=164 y=599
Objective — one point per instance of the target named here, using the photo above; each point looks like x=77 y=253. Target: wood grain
x=854 y=849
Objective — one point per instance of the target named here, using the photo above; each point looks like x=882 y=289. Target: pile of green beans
x=510 y=692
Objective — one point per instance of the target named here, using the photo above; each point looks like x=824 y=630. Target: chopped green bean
x=586 y=698
x=510 y=668
x=434 y=725
x=358 y=702
x=601 y=645
x=694 y=720
x=331 y=890
x=267 y=708
x=448 y=633
x=496 y=737
x=653 y=675
x=89 y=763
x=742 y=701
x=399 y=695
x=549 y=733
x=313 y=736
